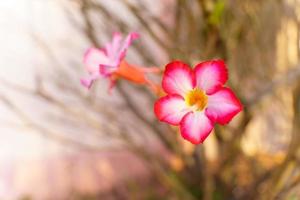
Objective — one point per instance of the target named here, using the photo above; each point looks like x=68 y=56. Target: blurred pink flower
x=196 y=98
x=105 y=61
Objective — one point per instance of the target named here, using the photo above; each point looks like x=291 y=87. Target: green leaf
x=217 y=13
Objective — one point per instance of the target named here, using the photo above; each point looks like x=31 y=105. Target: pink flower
x=105 y=61
x=196 y=98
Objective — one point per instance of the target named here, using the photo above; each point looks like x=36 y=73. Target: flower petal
x=115 y=52
x=112 y=48
x=211 y=75
x=170 y=109
x=116 y=41
x=93 y=58
x=107 y=70
x=127 y=42
x=222 y=106
x=88 y=82
x=178 y=78
x=195 y=127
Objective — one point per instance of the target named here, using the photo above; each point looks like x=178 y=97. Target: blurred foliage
x=252 y=37
x=257 y=155
x=216 y=15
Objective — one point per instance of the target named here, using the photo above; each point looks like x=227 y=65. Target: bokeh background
x=61 y=141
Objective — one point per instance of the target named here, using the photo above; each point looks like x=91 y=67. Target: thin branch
x=45 y=132
x=288 y=78
x=295 y=182
x=146 y=25
x=151 y=125
x=89 y=29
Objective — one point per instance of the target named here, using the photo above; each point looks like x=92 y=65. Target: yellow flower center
x=196 y=98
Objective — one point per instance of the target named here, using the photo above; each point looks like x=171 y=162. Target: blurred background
x=60 y=141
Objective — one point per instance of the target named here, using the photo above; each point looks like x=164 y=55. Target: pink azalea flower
x=196 y=99
x=104 y=62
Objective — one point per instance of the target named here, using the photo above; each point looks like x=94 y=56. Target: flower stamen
x=196 y=98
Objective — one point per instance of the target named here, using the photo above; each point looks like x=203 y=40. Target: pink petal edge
x=86 y=82
x=211 y=75
x=127 y=42
x=195 y=127
x=92 y=58
x=170 y=109
x=178 y=78
x=223 y=105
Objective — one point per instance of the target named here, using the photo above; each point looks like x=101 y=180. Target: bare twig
x=46 y=132
x=279 y=176
x=295 y=182
x=288 y=78
x=146 y=25
x=151 y=125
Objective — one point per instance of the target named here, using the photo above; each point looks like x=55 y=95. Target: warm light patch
x=197 y=98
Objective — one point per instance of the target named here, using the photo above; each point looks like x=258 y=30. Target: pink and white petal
x=178 y=78
x=115 y=45
x=116 y=40
x=112 y=47
x=127 y=42
x=88 y=82
x=103 y=49
x=195 y=127
x=93 y=57
x=170 y=109
x=222 y=106
x=211 y=75
x=109 y=50
x=106 y=70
